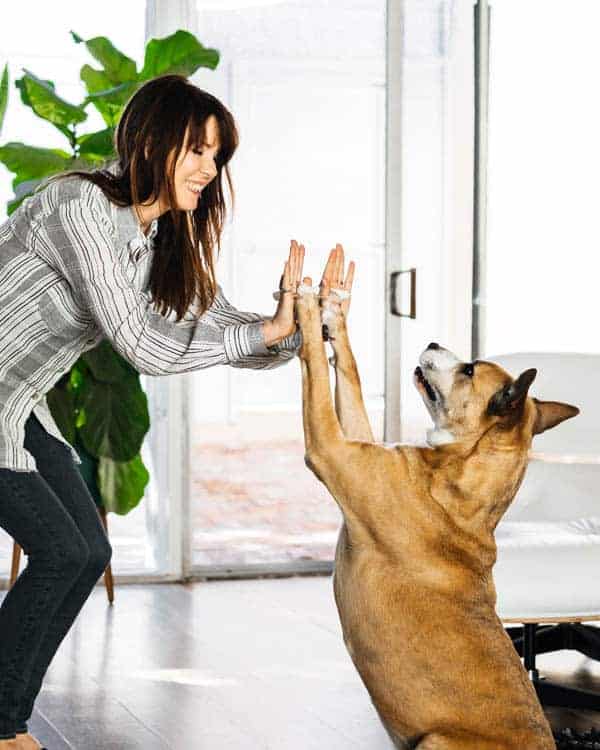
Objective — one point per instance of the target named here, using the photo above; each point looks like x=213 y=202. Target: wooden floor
x=235 y=665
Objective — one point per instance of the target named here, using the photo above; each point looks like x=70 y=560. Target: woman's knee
x=100 y=554
x=69 y=556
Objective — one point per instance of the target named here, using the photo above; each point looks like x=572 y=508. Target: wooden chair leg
x=108 y=576
x=16 y=560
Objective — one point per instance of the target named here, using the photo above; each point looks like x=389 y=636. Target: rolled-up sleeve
x=84 y=236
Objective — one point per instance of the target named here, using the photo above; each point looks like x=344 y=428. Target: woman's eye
x=468 y=370
x=199 y=151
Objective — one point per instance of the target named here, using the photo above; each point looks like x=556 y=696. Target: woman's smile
x=195 y=187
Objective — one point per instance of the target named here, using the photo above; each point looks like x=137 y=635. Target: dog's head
x=466 y=399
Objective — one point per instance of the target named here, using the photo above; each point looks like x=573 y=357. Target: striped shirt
x=74 y=269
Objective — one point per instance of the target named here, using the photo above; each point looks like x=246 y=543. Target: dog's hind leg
x=437 y=741
x=400 y=742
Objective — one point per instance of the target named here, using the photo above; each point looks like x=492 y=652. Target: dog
x=413 y=565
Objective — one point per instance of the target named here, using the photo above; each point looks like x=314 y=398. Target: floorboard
x=224 y=665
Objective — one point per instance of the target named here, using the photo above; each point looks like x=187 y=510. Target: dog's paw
x=307 y=295
x=331 y=312
x=307 y=304
x=306 y=289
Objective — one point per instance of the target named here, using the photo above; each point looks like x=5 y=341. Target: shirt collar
x=128 y=227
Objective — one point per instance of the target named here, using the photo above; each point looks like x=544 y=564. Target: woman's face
x=196 y=167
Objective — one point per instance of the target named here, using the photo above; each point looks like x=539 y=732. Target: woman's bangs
x=197 y=134
x=196 y=130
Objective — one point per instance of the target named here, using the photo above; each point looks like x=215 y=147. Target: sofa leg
x=529 y=633
x=526 y=641
x=551 y=694
x=565 y=635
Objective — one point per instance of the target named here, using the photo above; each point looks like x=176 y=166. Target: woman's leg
x=57 y=553
x=61 y=474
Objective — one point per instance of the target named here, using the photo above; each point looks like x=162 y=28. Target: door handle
x=412 y=294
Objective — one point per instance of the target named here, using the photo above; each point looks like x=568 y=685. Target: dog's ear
x=509 y=399
x=551 y=413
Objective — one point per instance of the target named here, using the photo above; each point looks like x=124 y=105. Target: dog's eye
x=468 y=370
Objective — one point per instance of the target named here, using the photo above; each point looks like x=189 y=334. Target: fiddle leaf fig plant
x=3 y=94
x=99 y=405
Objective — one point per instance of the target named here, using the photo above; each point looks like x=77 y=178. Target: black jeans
x=52 y=515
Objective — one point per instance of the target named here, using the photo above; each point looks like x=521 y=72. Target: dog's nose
x=433 y=345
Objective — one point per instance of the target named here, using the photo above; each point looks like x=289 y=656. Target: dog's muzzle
x=423 y=380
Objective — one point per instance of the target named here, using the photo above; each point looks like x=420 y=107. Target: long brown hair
x=152 y=126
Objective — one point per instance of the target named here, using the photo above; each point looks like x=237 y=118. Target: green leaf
x=3 y=94
x=96 y=83
x=25 y=188
x=122 y=483
x=31 y=162
x=116 y=417
x=179 y=53
x=62 y=404
x=99 y=377
x=110 y=102
x=95 y=80
x=41 y=97
x=118 y=68
x=12 y=205
x=106 y=365
x=97 y=146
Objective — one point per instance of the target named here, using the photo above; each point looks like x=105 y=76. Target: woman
x=81 y=260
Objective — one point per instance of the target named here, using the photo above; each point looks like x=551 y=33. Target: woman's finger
x=349 y=276
x=339 y=265
x=296 y=261
x=330 y=266
x=299 y=265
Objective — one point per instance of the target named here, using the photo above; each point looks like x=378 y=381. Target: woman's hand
x=333 y=277
x=283 y=322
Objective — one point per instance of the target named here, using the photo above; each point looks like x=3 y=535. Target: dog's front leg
x=349 y=402
x=354 y=471
x=322 y=432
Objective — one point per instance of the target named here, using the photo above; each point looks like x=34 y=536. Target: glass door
x=310 y=106
x=430 y=198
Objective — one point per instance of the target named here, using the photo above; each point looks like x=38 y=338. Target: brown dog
x=413 y=567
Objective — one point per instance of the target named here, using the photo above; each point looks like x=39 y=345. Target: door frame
x=454 y=303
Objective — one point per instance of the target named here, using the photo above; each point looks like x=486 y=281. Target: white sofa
x=547 y=573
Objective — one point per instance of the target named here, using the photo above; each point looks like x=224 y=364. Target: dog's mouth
x=425 y=383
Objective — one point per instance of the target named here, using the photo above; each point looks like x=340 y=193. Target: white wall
x=36 y=37
x=544 y=238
